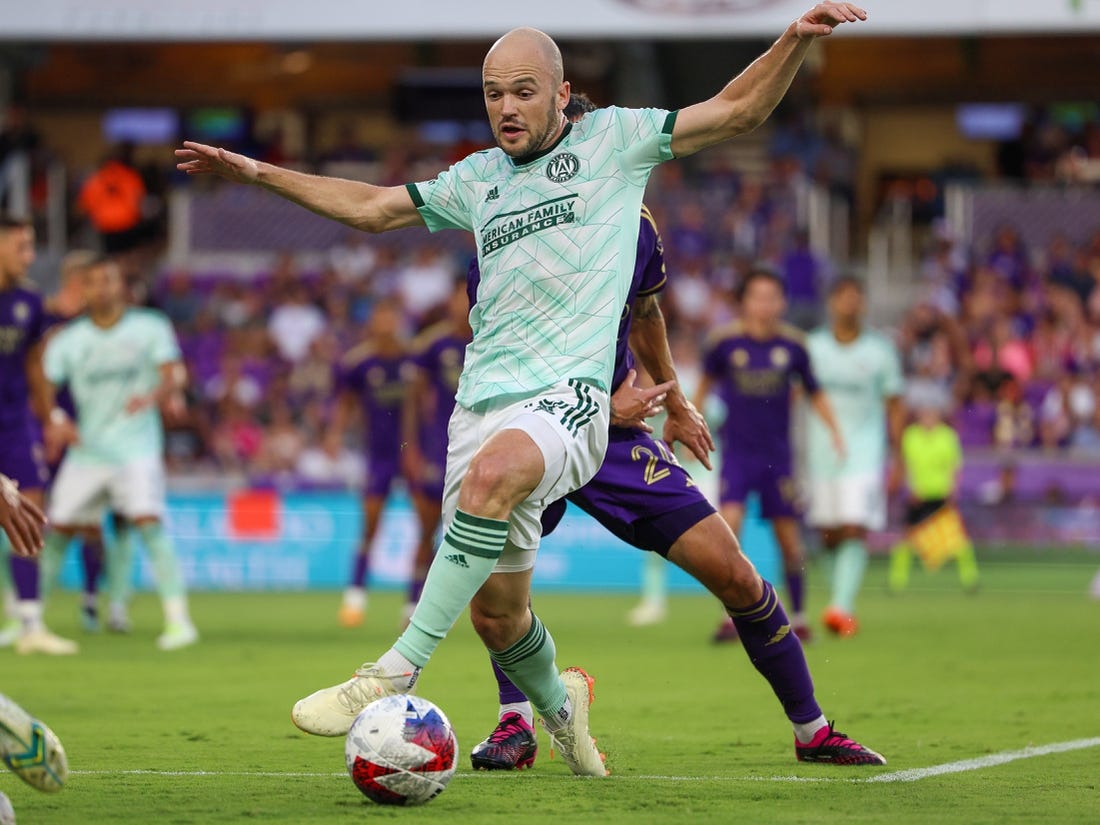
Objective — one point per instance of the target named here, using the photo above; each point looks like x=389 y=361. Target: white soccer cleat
x=574 y=742
x=330 y=711
x=43 y=641
x=30 y=749
x=647 y=612
x=177 y=635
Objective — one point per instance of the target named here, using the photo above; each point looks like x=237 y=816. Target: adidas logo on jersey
x=459 y=559
x=493 y=195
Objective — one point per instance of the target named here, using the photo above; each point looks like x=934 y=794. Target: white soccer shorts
x=82 y=490
x=848 y=500
x=569 y=424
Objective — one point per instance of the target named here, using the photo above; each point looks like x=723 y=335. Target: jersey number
x=652 y=474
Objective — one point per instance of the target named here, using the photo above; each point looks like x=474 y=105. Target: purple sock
x=24 y=574
x=91 y=553
x=360 y=568
x=795 y=589
x=416 y=587
x=509 y=693
x=776 y=652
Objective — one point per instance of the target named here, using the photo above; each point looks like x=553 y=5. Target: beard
x=535 y=143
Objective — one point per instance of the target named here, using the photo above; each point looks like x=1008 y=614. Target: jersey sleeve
x=893 y=379
x=801 y=366
x=642 y=137
x=651 y=250
x=55 y=362
x=445 y=201
x=40 y=323
x=164 y=348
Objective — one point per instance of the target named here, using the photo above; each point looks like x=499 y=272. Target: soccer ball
x=7 y=812
x=401 y=750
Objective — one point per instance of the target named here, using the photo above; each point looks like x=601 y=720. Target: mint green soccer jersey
x=858 y=377
x=104 y=369
x=556 y=240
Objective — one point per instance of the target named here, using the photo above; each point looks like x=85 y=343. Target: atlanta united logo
x=562 y=167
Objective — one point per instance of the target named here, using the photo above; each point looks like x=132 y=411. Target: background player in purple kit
x=642 y=495
x=22 y=389
x=372 y=377
x=755 y=365
x=436 y=363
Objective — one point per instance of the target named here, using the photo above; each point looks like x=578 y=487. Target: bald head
x=524 y=91
x=527 y=46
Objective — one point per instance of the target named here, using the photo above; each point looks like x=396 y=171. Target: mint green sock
x=467 y=555
x=50 y=561
x=166 y=567
x=120 y=564
x=851 y=563
x=530 y=664
x=654 y=579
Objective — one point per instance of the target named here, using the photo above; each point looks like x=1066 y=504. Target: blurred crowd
x=1014 y=334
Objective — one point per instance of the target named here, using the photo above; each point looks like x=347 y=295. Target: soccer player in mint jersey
x=554 y=210
x=754 y=365
x=642 y=495
x=860 y=371
x=436 y=361
x=23 y=393
x=372 y=377
x=121 y=365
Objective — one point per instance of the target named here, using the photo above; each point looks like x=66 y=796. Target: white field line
x=910 y=775
x=980 y=762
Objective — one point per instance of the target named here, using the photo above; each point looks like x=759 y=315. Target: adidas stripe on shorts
x=569 y=424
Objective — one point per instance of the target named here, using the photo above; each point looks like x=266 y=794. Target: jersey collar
x=528 y=159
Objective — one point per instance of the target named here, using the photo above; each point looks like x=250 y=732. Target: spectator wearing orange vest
x=112 y=199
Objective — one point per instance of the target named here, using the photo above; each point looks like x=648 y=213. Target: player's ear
x=564 y=90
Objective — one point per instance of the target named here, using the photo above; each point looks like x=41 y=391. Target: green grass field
x=692 y=732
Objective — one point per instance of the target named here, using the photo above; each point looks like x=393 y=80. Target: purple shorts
x=640 y=494
x=771 y=480
x=22 y=458
x=381 y=473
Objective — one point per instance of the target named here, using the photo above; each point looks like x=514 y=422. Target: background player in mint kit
x=121 y=365
x=860 y=370
x=755 y=364
x=554 y=210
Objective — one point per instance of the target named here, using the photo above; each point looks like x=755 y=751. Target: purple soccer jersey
x=379 y=384
x=755 y=379
x=438 y=352
x=22 y=325
x=640 y=493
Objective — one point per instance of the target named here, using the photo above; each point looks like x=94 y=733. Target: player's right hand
x=631 y=405
x=57 y=434
x=200 y=159
x=20 y=519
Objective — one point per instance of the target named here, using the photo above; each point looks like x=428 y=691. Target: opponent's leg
x=709 y=552
x=120 y=572
x=788 y=536
x=849 y=567
x=654 y=604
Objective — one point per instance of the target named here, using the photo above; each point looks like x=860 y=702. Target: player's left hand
x=631 y=405
x=822 y=18
x=174 y=409
x=840 y=447
x=687 y=425
x=20 y=519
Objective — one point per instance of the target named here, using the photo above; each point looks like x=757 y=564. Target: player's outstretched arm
x=749 y=98
x=820 y=402
x=359 y=205
x=649 y=341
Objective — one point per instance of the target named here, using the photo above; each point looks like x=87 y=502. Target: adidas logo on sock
x=459 y=559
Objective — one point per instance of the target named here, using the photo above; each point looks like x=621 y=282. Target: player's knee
x=491 y=487
x=497 y=629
